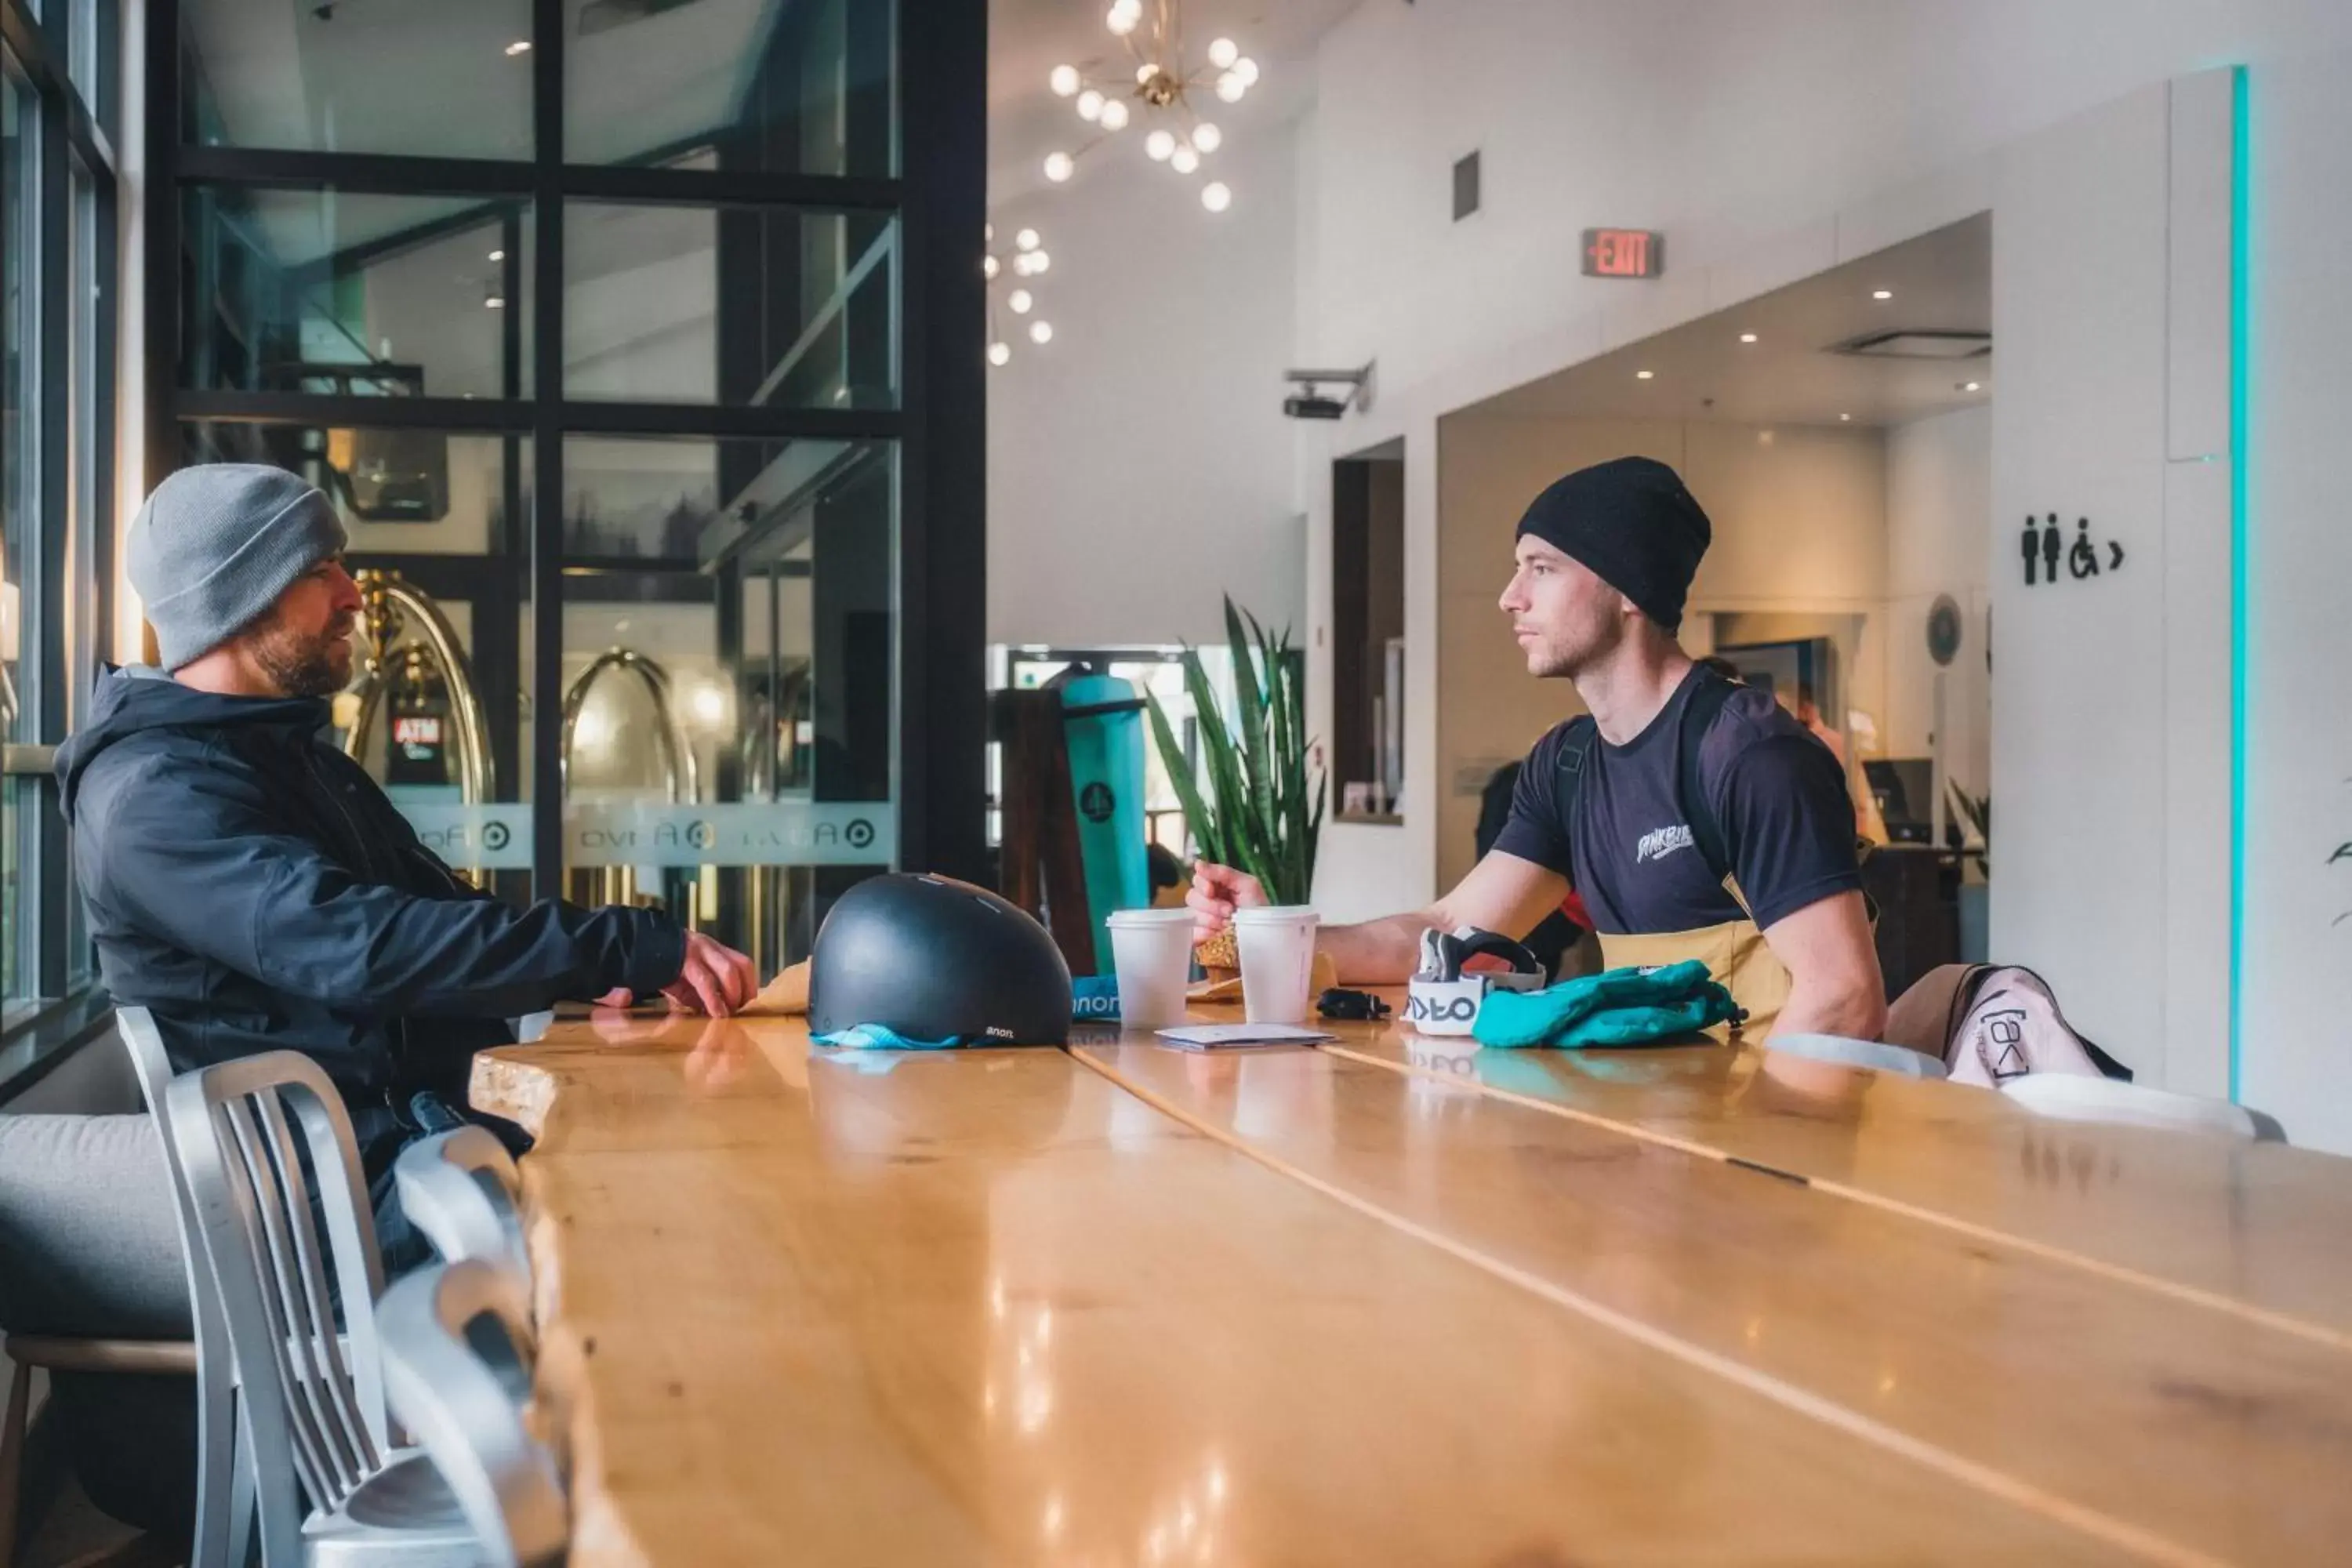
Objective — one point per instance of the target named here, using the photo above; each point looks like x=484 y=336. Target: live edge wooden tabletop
x=2261 y=1229
x=991 y=1307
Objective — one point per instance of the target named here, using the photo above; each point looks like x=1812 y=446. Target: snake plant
x=1263 y=811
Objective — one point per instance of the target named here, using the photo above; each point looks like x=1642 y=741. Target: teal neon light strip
x=2240 y=461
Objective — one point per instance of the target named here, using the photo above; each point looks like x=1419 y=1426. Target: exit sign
x=1623 y=253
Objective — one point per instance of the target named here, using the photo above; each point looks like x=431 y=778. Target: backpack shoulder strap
x=1568 y=777
x=1707 y=700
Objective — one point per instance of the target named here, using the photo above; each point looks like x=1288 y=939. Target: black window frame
x=940 y=201
x=73 y=134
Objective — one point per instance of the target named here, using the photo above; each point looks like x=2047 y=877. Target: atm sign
x=1623 y=253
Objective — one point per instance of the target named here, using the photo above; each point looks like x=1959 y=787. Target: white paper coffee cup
x=1277 y=949
x=1153 y=952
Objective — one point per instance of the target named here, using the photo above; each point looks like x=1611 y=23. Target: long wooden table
x=2261 y=1230
x=1129 y=1305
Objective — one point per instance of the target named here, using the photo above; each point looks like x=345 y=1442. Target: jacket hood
x=137 y=699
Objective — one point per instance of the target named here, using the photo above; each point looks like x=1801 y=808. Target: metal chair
x=310 y=1407
x=2066 y=1097
x=1846 y=1052
x=224 y=1491
x=460 y=1188
x=457 y=1405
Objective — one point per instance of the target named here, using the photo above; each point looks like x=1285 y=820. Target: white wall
x=1938 y=496
x=1139 y=467
x=1724 y=122
x=2078 y=765
x=2295 y=1046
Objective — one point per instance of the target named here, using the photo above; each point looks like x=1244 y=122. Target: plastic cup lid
x=1277 y=915
x=1149 y=918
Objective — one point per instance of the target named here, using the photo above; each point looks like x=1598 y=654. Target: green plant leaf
x=1242 y=838
x=1197 y=815
x=1261 y=810
x=1257 y=765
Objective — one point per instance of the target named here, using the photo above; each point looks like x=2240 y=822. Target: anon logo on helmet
x=1096 y=801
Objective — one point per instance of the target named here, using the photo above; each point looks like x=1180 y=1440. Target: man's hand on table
x=715 y=981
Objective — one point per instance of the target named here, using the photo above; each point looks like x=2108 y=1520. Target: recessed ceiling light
x=1747 y=337
x=1881 y=293
x=1972 y=386
x=520 y=47
x=1845 y=418
x=498 y=256
x=1644 y=375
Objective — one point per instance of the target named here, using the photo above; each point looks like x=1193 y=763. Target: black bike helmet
x=934 y=960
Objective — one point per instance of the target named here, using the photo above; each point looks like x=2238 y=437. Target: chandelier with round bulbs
x=1015 y=276
x=1158 y=92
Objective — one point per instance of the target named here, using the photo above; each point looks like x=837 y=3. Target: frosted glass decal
x=745 y=833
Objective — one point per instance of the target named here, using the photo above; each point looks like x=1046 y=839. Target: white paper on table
x=1217 y=1036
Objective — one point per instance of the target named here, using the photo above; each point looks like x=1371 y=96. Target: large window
x=596 y=319
x=57 y=342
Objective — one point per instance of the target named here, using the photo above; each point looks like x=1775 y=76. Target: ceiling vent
x=603 y=15
x=1917 y=345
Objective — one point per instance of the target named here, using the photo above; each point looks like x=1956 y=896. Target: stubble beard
x=303 y=665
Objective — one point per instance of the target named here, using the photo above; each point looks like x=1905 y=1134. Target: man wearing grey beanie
x=254 y=888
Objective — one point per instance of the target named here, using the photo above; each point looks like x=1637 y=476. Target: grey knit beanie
x=214 y=546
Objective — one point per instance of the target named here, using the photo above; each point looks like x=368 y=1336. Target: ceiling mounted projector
x=1310 y=402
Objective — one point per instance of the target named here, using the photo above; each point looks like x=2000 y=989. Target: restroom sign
x=1623 y=253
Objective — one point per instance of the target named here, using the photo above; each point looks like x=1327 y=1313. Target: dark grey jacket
x=255 y=889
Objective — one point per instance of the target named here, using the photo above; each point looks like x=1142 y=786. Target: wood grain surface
x=990 y=1306
x=2131 y=1414
x=2258 y=1230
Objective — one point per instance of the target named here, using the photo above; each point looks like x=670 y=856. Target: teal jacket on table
x=1628 y=1006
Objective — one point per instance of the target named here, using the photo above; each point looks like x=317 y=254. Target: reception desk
x=1398 y=1302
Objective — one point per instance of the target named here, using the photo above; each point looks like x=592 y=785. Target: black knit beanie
x=1634 y=524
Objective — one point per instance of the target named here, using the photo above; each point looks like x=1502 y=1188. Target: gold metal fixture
x=392 y=608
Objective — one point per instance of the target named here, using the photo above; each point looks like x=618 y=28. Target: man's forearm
x=1376 y=953
x=1856 y=1011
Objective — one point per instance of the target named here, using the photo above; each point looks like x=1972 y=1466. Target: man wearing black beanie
x=1690 y=813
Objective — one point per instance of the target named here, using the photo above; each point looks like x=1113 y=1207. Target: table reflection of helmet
x=933 y=959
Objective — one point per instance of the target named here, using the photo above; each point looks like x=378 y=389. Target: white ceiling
x=1940 y=282
x=1027 y=38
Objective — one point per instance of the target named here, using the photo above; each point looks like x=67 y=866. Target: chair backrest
x=2069 y=1098
x=220 y=1533
x=451 y=1400
x=312 y=1409
x=459 y=1188
x=142 y=1040
x=1855 y=1053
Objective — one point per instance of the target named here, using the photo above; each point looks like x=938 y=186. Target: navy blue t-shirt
x=1780 y=800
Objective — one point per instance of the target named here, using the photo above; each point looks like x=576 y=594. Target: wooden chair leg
x=12 y=1458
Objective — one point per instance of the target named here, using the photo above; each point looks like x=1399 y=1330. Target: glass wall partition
x=624 y=349
x=56 y=435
